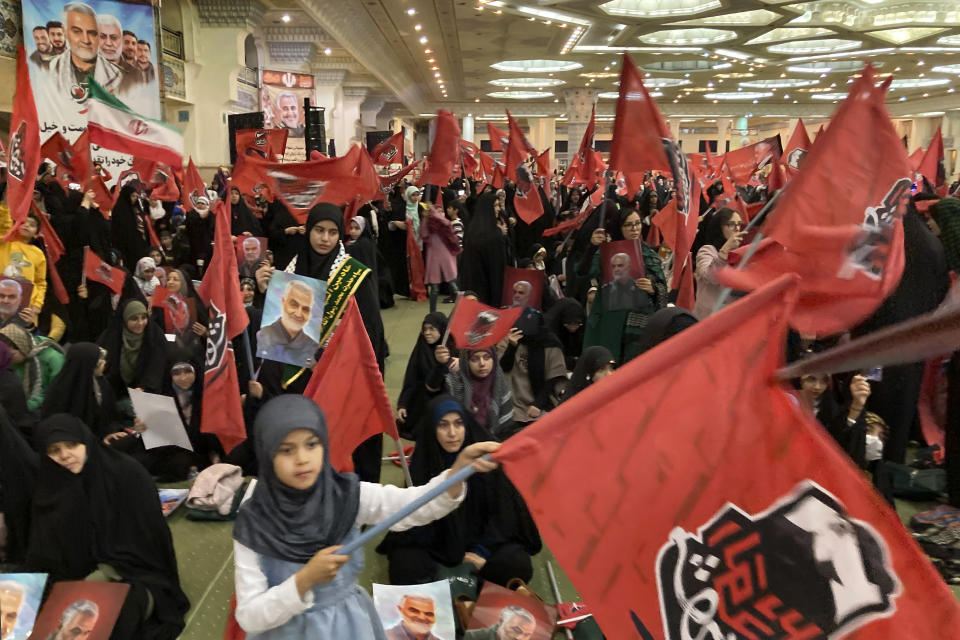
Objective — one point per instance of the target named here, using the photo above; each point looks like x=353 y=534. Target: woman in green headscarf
x=136 y=350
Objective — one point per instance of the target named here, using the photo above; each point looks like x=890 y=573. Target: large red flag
x=220 y=291
x=848 y=250
x=526 y=198
x=193 y=186
x=386 y=182
x=94 y=268
x=268 y=144
x=474 y=325
x=518 y=149
x=23 y=149
x=445 y=152
x=300 y=185
x=586 y=169
x=349 y=366
x=931 y=166
x=678 y=231
x=797 y=147
x=498 y=139
x=389 y=152
x=731 y=515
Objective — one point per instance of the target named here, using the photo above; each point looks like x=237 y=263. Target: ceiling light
x=829 y=96
x=678 y=66
x=527 y=82
x=431 y=60
x=520 y=95
x=722 y=65
x=411 y=11
x=948 y=68
x=829 y=67
x=730 y=53
x=907 y=34
x=952 y=40
x=756 y=17
x=428 y=51
x=285 y=17
x=688 y=36
x=861 y=53
x=613 y=95
x=826 y=45
x=553 y=15
x=597 y=75
x=536 y=66
x=660 y=83
x=778 y=83
x=736 y=74
x=738 y=95
x=327 y=51
x=423 y=39
x=417 y=27
x=916 y=83
x=658 y=8
x=436 y=74
x=789 y=33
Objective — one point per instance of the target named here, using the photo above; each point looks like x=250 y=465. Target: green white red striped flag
x=113 y=125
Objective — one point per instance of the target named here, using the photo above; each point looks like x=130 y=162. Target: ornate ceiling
x=723 y=57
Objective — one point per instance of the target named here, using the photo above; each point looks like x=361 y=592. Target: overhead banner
x=109 y=40
x=281 y=100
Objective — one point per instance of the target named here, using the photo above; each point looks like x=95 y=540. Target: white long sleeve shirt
x=260 y=607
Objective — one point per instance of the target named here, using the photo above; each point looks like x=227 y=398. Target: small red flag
x=386 y=182
x=498 y=139
x=586 y=169
x=165 y=188
x=848 y=250
x=754 y=523
x=797 y=147
x=94 y=268
x=518 y=149
x=269 y=144
x=745 y=161
x=368 y=186
x=101 y=195
x=931 y=166
x=60 y=151
x=445 y=152
x=193 y=186
x=82 y=165
x=526 y=198
x=24 y=147
x=474 y=325
x=348 y=366
x=220 y=291
x=389 y=152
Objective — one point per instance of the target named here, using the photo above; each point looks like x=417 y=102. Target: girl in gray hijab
x=290 y=580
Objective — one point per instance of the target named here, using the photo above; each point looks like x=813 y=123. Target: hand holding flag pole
x=446 y=334
x=555 y=588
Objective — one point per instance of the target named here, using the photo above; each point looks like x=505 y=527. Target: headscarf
x=665 y=324
x=567 y=311
x=309 y=262
x=413 y=209
x=419 y=366
x=293 y=524
x=6 y=356
x=361 y=222
x=147 y=286
x=593 y=359
x=242 y=219
x=106 y=514
x=76 y=390
x=132 y=342
x=537 y=338
x=18 y=477
x=18 y=338
x=482 y=388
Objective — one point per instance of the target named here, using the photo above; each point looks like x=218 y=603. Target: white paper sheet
x=159 y=413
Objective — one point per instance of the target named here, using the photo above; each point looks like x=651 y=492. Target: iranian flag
x=113 y=125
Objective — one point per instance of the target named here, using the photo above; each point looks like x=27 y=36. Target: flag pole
x=446 y=334
x=248 y=354
x=429 y=496
x=83 y=271
x=403 y=463
x=556 y=593
x=725 y=293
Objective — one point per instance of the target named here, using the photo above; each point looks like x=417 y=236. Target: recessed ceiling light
x=428 y=51
x=658 y=8
x=285 y=17
x=789 y=33
x=423 y=39
x=688 y=36
x=778 y=83
x=613 y=95
x=417 y=27
x=948 y=68
x=527 y=82
x=596 y=75
x=826 y=45
x=327 y=51
x=915 y=83
x=738 y=95
x=536 y=66
x=520 y=95
x=829 y=96
x=411 y=11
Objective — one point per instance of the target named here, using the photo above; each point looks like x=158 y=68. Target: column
x=951 y=143
x=346 y=126
x=543 y=135
x=580 y=102
x=368 y=112
x=723 y=127
x=328 y=84
x=922 y=132
x=466 y=127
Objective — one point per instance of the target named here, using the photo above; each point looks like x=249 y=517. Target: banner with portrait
x=68 y=42
x=281 y=100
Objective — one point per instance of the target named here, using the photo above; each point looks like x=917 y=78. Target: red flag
x=678 y=230
x=165 y=188
x=754 y=523
x=543 y=163
x=916 y=158
x=220 y=291
x=269 y=144
x=685 y=296
x=193 y=186
x=349 y=365
x=585 y=158
x=368 y=187
x=526 y=198
x=101 y=195
x=300 y=185
x=82 y=165
x=418 y=291
x=389 y=152
x=54 y=250
x=848 y=250
x=777 y=178
x=487 y=167
x=474 y=325
x=746 y=161
x=445 y=152
x=23 y=149
x=94 y=268
x=518 y=149
x=797 y=147
x=58 y=149
x=386 y=182
x=498 y=139
x=931 y=167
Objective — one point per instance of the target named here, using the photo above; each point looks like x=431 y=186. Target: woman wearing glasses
x=721 y=235
x=620 y=330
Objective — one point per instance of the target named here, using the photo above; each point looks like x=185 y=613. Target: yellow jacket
x=27 y=259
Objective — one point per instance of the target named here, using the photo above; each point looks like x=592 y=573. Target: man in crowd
x=285 y=340
x=515 y=623
x=11 y=600
x=418 y=616
x=58 y=42
x=42 y=56
x=71 y=69
x=290 y=113
x=77 y=621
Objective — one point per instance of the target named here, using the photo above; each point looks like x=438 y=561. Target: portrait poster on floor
x=281 y=100
x=522 y=288
x=292 y=318
x=109 y=40
x=621 y=263
x=416 y=610
x=83 y=609
x=20 y=595
x=504 y=613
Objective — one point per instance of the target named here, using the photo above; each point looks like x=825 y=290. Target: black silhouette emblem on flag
x=482 y=326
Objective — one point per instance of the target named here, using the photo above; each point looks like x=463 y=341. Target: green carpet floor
x=205 y=551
